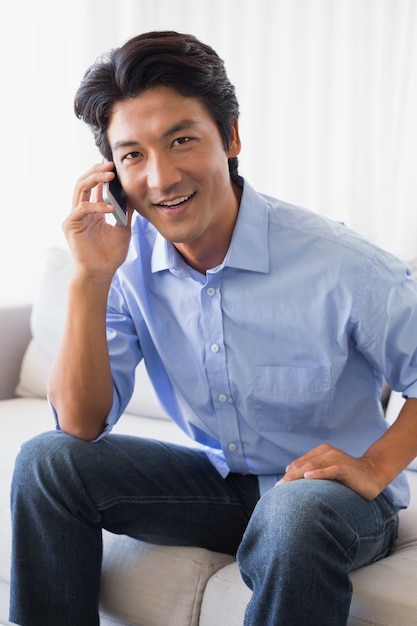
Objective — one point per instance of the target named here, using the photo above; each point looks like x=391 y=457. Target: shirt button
x=215 y=347
x=232 y=447
x=222 y=397
x=211 y=291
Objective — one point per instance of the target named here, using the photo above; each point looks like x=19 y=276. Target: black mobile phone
x=113 y=193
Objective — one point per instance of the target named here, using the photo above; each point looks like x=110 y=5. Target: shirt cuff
x=111 y=418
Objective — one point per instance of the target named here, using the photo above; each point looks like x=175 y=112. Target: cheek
x=129 y=187
x=134 y=190
x=135 y=200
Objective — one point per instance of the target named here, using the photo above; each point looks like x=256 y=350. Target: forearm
x=371 y=473
x=80 y=384
x=393 y=452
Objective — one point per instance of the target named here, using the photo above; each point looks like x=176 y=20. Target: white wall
x=327 y=90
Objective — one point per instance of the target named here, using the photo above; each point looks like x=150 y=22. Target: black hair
x=168 y=58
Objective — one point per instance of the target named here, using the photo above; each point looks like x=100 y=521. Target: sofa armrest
x=14 y=338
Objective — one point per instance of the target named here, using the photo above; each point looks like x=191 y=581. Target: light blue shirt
x=280 y=348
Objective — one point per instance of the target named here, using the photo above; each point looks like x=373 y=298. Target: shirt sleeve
x=385 y=321
x=125 y=353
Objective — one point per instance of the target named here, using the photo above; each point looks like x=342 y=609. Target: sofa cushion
x=133 y=570
x=216 y=607
x=47 y=322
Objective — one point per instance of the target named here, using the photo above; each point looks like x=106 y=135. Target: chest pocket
x=291 y=398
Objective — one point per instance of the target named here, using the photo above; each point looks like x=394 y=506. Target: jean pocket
x=291 y=398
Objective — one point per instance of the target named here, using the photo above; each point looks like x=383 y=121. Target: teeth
x=176 y=201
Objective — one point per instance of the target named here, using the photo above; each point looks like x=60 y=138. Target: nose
x=162 y=173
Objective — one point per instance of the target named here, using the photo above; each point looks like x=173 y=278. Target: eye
x=132 y=155
x=181 y=140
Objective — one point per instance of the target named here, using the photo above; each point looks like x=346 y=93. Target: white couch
x=147 y=585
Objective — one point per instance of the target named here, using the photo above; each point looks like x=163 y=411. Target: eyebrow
x=172 y=130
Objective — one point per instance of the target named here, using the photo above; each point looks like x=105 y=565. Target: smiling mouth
x=176 y=202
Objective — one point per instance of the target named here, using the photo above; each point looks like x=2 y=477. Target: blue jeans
x=295 y=545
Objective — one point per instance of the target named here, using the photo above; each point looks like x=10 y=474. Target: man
x=267 y=332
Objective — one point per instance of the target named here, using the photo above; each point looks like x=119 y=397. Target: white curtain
x=328 y=96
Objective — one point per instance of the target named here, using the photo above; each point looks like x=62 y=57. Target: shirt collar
x=248 y=250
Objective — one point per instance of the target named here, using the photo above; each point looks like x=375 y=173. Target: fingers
x=328 y=463
x=88 y=206
x=324 y=461
x=85 y=215
x=92 y=180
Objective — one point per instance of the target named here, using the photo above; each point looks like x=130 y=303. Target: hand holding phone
x=113 y=193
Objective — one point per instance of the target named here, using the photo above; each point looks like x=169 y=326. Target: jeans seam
x=102 y=506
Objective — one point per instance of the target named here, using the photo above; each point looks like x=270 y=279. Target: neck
x=202 y=261
x=210 y=250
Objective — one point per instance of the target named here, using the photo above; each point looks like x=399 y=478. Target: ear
x=234 y=144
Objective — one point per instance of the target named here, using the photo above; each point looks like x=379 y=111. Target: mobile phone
x=113 y=193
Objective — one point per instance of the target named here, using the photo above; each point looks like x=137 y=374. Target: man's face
x=171 y=161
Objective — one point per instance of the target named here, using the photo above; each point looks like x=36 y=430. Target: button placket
x=217 y=373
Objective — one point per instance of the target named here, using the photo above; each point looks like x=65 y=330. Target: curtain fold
x=327 y=90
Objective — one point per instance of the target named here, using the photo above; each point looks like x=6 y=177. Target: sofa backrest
x=14 y=339
x=46 y=325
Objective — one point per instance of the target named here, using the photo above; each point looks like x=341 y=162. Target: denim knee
x=296 y=519
x=51 y=462
x=316 y=519
x=44 y=452
x=50 y=473
x=294 y=551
